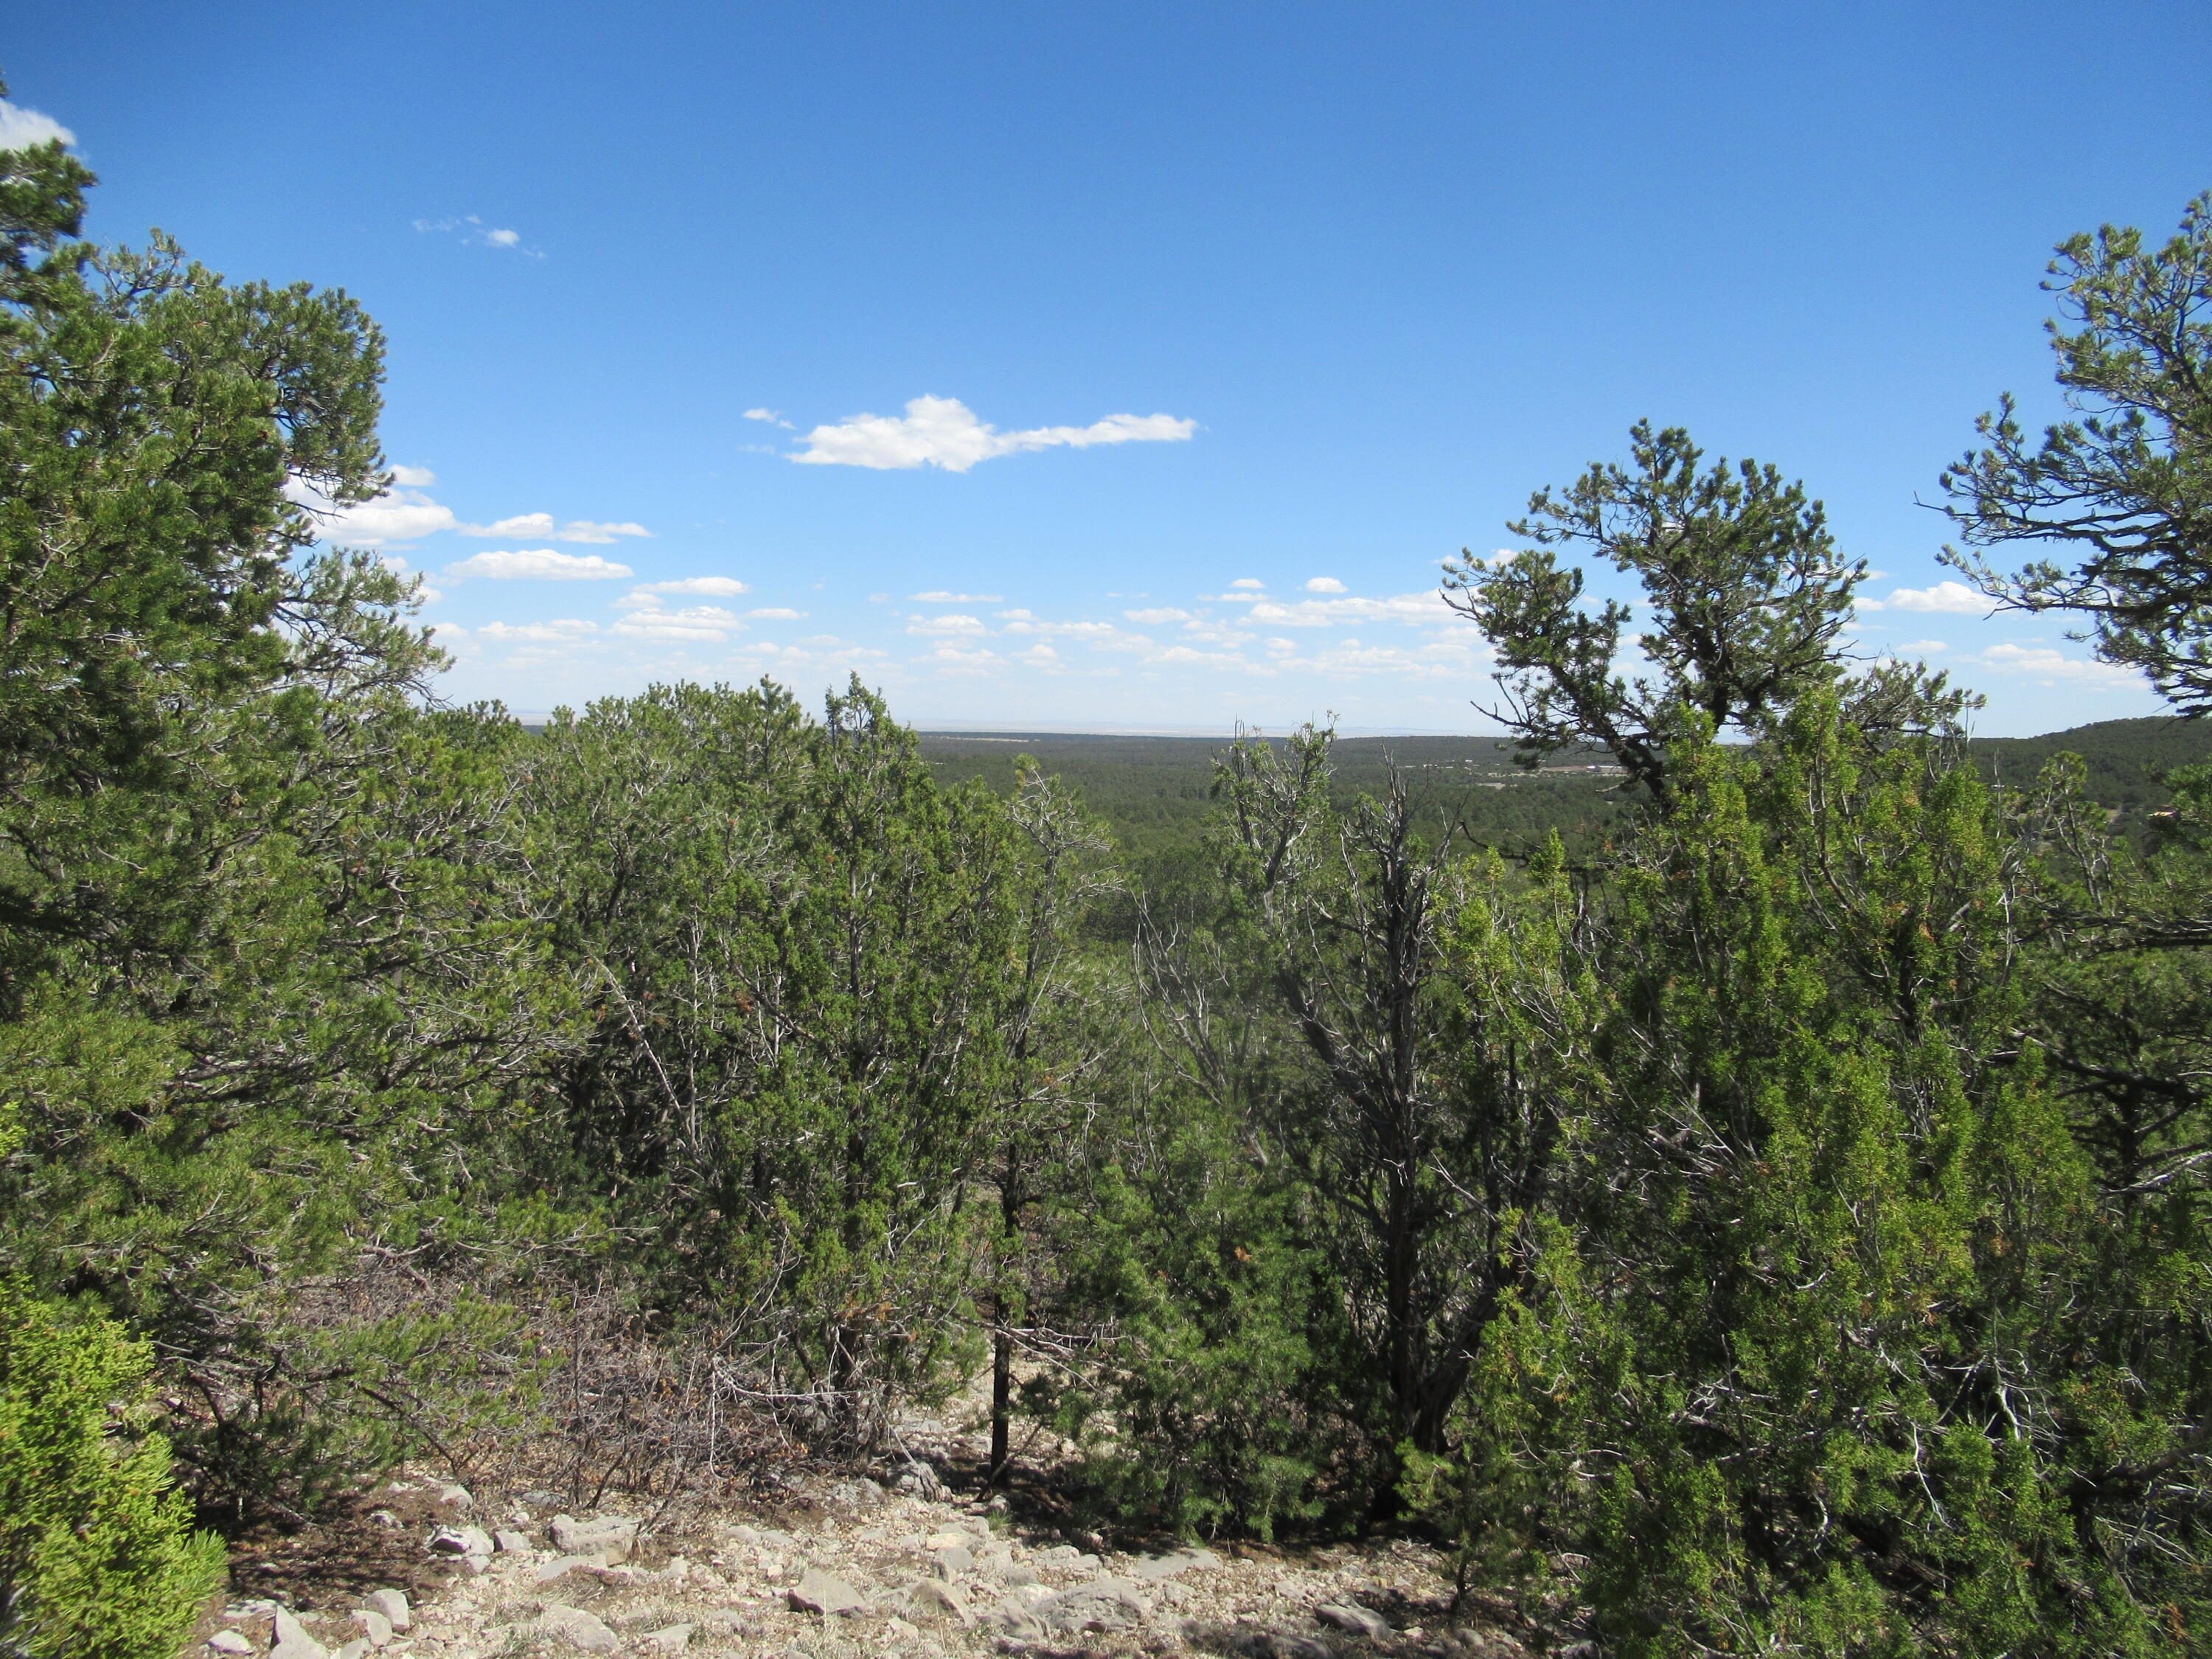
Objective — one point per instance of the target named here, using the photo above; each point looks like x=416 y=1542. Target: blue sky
x=1196 y=334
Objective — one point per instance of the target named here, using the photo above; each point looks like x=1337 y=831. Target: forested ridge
x=1748 y=1199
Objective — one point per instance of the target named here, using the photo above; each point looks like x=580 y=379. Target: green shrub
x=97 y=1556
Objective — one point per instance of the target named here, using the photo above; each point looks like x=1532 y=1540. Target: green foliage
x=805 y=967
x=97 y=1560
x=1210 y=1406
x=2127 y=488
x=1841 y=1348
x=1745 y=596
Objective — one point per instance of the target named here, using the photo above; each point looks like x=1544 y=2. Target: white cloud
x=540 y=526
x=694 y=622
x=473 y=230
x=773 y=418
x=647 y=595
x=1159 y=614
x=1955 y=599
x=2050 y=666
x=22 y=129
x=943 y=432
x=940 y=597
x=949 y=623
x=399 y=514
x=1252 y=582
x=777 y=613
x=1325 y=584
x=569 y=628
x=404 y=514
x=1022 y=623
x=540 y=564
x=1923 y=644
x=1423 y=609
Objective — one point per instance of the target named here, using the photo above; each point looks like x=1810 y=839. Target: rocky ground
x=836 y=1567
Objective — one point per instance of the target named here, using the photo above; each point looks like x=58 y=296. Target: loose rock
x=507 y=1542
x=460 y=1540
x=817 y=1591
x=1353 y=1617
x=293 y=1643
x=1102 y=1604
x=609 y=1537
x=374 y=1625
x=1153 y=1568
x=576 y=1626
x=929 y=1600
x=1015 y=1617
x=230 y=1641
x=672 y=1639
x=392 y=1604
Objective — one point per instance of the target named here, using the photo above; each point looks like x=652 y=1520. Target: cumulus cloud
x=948 y=622
x=940 y=597
x=944 y=433
x=1955 y=599
x=1325 y=584
x=404 y=514
x=1159 y=614
x=569 y=628
x=647 y=595
x=2050 y=666
x=401 y=513
x=777 y=613
x=475 y=232
x=1021 y=622
x=698 y=622
x=540 y=526
x=773 y=416
x=1923 y=644
x=1427 y=609
x=1251 y=582
x=23 y=129
x=540 y=564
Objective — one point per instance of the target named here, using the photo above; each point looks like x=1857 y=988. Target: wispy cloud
x=2050 y=666
x=706 y=622
x=24 y=129
x=946 y=622
x=540 y=564
x=405 y=513
x=776 y=613
x=773 y=416
x=649 y=594
x=569 y=628
x=938 y=596
x=476 y=232
x=1953 y=598
x=541 y=526
x=945 y=433
x=1418 y=609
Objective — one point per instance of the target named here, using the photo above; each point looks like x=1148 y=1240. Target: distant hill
x=1154 y=790
x=2124 y=757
